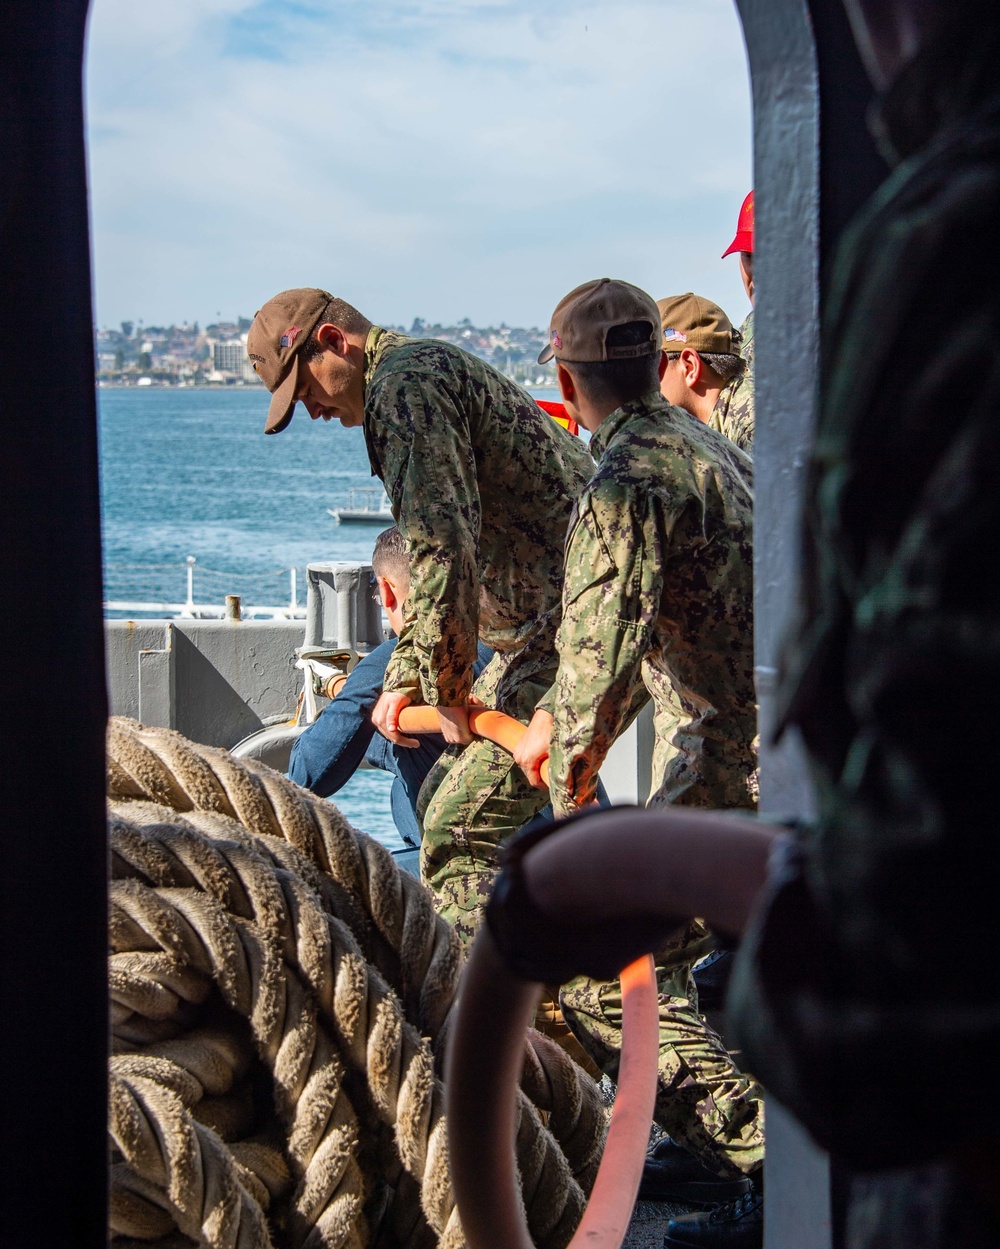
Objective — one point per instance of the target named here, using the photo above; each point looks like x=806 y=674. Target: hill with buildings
x=187 y=355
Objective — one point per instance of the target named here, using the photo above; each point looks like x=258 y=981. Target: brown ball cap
x=279 y=329
x=691 y=321
x=579 y=328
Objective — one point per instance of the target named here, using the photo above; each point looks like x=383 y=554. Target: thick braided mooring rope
x=280 y=994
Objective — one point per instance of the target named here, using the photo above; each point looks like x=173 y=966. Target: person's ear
x=387 y=593
x=565 y=380
x=692 y=367
x=333 y=338
x=661 y=367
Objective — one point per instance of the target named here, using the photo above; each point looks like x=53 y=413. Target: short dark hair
x=391 y=556
x=340 y=313
x=619 y=381
x=724 y=366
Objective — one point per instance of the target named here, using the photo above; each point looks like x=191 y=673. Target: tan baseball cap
x=690 y=321
x=579 y=328
x=279 y=329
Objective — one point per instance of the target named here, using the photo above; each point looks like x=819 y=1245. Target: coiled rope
x=280 y=1001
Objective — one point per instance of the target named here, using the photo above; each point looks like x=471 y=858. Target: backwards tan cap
x=279 y=329
x=578 y=332
x=690 y=321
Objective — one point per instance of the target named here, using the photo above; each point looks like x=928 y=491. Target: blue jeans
x=329 y=752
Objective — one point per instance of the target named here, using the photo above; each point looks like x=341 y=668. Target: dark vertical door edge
x=850 y=165
x=53 y=908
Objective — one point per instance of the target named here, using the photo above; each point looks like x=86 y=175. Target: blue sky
x=434 y=158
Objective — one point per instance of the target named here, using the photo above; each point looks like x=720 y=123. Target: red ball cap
x=743 y=242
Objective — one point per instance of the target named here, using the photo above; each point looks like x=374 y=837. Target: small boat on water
x=366 y=505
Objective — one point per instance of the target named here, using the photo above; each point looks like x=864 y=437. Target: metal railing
x=191 y=591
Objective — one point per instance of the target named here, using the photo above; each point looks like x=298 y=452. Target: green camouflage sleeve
x=429 y=472
x=733 y=414
x=403 y=669
x=747 y=348
x=741 y=417
x=611 y=600
x=741 y=413
x=548 y=701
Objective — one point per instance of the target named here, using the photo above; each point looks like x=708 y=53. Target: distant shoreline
x=104 y=385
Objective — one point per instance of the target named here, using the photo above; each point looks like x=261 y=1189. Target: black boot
x=672 y=1174
x=735 y=1225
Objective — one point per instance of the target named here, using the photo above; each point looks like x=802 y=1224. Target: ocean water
x=191 y=473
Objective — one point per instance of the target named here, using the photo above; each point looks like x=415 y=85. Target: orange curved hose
x=493 y=1012
x=419 y=720
x=496 y=726
x=612 y=1199
x=482 y=1074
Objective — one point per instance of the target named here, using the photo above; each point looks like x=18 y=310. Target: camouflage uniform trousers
x=668 y=716
x=703 y=1101
x=476 y=796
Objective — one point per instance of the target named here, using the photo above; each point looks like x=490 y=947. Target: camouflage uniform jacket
x=746 y=341
x=733 y=414
x=659 y=588
x=482 y=483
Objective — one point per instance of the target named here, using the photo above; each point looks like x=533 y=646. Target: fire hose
x=494 y=1011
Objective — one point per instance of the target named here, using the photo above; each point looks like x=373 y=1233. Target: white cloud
x=439 y=158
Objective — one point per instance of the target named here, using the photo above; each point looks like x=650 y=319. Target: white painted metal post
x=628 y=768
x=190 y=583
x=785 y=83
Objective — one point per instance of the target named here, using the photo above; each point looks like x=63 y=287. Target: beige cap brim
x=283 y=400
x=546 y=354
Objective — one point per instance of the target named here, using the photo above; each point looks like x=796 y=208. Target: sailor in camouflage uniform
x=739 y=409
x=481 y=483
x=657 y=601
x=703 y=351
x=707 y=374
